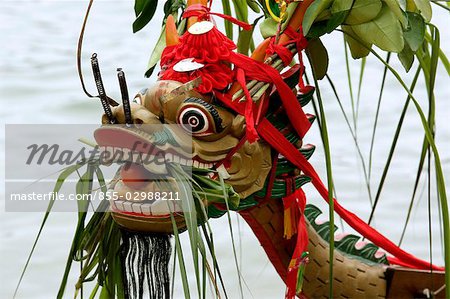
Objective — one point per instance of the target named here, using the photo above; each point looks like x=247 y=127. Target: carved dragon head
x=202 y=136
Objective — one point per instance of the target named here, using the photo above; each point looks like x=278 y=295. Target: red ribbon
x=202 y=12
x=252 y=135
x=265 y=73
x=286 y=55
x=277 y=140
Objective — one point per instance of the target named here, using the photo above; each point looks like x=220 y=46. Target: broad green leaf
x=424 y=7
x=320 y=28
x=253 y=4
x=356 y=48
x=415 y=33
x=313 y=11
x=318 y=56
x=138 y=6
x=395 y=8
x=157 y=51
x=323 y=16
x=145 y=16
x=268 y=28
x=341 y=5
x=406 y=57
x=363 y=11
x=385 y=31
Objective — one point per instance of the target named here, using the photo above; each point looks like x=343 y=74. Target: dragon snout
x=138 y=113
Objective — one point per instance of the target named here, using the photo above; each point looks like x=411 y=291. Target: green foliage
x=318 y=56
x=145 y=10
x=384 y=31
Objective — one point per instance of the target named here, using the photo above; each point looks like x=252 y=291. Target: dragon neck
x=356 y=277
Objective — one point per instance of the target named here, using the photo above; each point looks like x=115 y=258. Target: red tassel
x=297 y=202
x=210 y=47
x=214 y=76
x=202 y=13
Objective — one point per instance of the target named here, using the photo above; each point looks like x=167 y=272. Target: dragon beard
x=145 y=260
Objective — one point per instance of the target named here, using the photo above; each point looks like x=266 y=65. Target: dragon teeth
x=119 y=205
x=137 y=208
x=161 y=208
x=153 y=165
x=169 y=157
x=158 y=208
x=128 y=206
x=146 y=209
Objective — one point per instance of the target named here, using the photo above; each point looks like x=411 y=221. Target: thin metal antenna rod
x=101 y=89
x=125 y=97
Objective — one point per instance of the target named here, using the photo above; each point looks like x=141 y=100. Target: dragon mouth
x=145 y=194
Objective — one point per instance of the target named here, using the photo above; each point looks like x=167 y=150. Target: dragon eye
x=194 y=120
x=199 y=117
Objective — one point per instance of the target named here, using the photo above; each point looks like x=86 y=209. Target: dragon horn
x=125 y=97
x=192 y=20
x=101 y=89
x=172 y=38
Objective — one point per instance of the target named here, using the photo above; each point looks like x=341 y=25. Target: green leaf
x=138 y=6
x=341 y=5
x=424 y=7
x=318 y=56
x=320 y=28
x=145 y=16
x=274 y=7
x=228 y=25
x=268 y=27
x=245 y=39
x=241 y=10
x=406 y=57
x=395 y=8
x=415 y=33
x=358 y=49
x=363 y=11
x=253 y=4
x=313 y=12
x=385 y=31
x=59 y=182
x=157 y=51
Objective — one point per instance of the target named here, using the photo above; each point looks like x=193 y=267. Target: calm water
x=39 y=84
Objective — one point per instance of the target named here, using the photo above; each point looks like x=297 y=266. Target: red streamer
x=286 y=56
x=270 y=134
x=202 y=13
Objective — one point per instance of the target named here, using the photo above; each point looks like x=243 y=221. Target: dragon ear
x=172 y=38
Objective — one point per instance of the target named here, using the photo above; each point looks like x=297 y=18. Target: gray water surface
x=39 y=84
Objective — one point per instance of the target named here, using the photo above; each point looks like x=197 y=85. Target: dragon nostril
x=138 y=121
